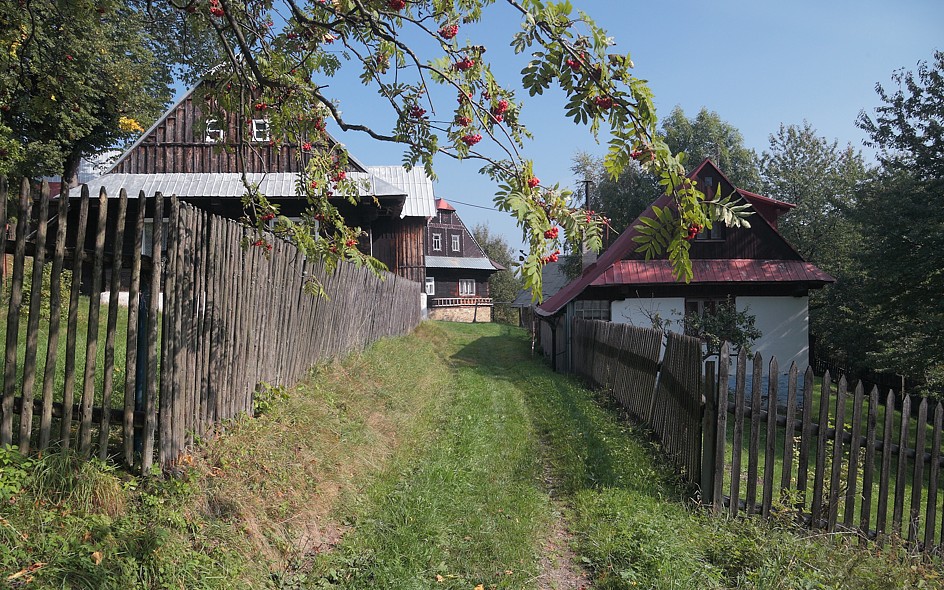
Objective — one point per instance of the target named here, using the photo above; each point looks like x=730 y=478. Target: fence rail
x=833 y=456
x=205 y=323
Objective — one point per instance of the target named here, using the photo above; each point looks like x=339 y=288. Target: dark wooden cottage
x=205 y=162
x=457 y=270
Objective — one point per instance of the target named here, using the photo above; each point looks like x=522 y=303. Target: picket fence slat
x=114 y=287
x=78 y=259
x=852 y=473
x=132 y=352
x=32 y=328
x=55 y=313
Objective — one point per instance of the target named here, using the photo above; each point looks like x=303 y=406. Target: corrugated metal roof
x=712 y=271
x=420 y=201
x=459 y=262
x=228 y=184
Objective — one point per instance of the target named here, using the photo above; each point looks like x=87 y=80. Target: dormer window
x=260 y=130
x=214 y=131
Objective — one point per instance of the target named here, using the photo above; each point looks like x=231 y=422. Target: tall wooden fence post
x=709 y=433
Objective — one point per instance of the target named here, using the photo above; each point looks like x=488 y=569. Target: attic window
x=455 y=242
x=214 y=132
x=715 y=233
x=437 y=242
x=260 y=130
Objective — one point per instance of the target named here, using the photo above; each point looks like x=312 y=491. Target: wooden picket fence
x=204 y=325
x=624 y=360
x=800 y=447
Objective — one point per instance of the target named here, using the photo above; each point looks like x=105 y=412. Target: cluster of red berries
x=573 y=64
x=533 y=182
x=267 y=217
x=463 y=96
x=552 y=257
x=417 y=112
x=306 y=147
x=500 y=108
x=471 y=139
x=604 y=102
x=465 y=64
x=383 y=61
x=215 y=8
x=396 y=4
x=464 y=121
x=261 y=106
x=339 y=176
x=448 y=31
x=263 y=244
x=350 y=243
x=313 y=184
x=693 y=230
x=551 y=234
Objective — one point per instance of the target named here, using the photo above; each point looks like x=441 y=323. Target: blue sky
x=756 y=63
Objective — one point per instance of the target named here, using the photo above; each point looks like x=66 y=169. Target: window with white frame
x=437 y=242
x=455 y=242
x=700 y=307
x=214 y=131
x=260 y=130
x=430 y=286
x=466 y=287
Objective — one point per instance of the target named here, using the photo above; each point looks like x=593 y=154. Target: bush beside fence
x=222 y=320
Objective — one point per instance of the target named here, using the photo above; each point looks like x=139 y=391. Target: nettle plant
x=281 y=53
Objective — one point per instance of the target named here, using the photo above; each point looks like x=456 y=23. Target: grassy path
x=448 y=459
x=470 y=506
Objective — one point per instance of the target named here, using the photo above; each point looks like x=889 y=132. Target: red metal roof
x=610 y=270
x=712 y=271
x=442 y=205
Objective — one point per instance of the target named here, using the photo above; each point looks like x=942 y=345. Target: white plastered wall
x=784 y=325
x=783 y=322
x=640 y=312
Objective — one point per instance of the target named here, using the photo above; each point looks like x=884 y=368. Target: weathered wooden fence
x=808 y=448
x=624 y=360
x=204 y=324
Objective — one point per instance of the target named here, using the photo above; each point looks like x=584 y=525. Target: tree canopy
x=709 y=136
x=902 y=227
x=76 y=78
x=413 y=54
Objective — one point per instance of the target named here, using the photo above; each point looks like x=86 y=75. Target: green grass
x=438 y=460
x=849 y=407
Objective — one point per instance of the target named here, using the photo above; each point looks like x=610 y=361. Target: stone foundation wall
x=461 y=314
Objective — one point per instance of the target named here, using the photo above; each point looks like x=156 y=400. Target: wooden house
x=204 y=161
x=755 y=267
x=457 y=270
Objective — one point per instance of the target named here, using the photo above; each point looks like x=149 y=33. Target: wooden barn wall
x=177 y=145
x=398 y=243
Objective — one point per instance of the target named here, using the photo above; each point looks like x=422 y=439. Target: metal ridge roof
x=713 y=271
x=418 y=187
x=222 y=184
x=459 y=262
